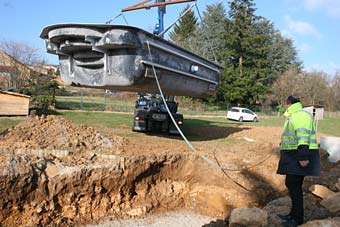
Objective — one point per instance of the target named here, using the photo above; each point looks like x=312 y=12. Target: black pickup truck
x=150 y=114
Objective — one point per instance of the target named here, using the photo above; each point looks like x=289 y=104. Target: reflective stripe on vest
x=288 y=134
x=291 y=138
x=292 y=142
x=305 y=130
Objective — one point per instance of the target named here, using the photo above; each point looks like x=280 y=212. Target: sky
x=313 y=25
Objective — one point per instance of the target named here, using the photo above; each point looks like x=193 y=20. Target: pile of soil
x=57 y=133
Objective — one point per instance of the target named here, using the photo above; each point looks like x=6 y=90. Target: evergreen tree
x=207 y=40
x=254 y=61
x=249 y=48
x=283 y=54
x=242 y=80
x=185 y=28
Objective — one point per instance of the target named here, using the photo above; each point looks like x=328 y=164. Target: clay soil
x=57 y=173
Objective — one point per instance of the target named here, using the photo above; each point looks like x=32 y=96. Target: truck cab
x=150 y=114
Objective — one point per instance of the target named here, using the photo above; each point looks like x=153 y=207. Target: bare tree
x=311 y=87
x=287 y=84
x=333 y=94
x=314 y=87
x=22 y=52
x=17 y=56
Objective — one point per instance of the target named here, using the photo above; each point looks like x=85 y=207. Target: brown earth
x=109 y=175
x=59 y=134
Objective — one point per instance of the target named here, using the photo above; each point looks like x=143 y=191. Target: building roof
x=10 y=64
x=315 y=105
x=5 y=68
x=14 y=94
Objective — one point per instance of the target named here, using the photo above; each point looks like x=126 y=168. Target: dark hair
x=292 y=99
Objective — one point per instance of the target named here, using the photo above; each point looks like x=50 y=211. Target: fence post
x=81 y=99
x=105 y=104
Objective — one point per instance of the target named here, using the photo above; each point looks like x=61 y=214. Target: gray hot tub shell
x=116 y=57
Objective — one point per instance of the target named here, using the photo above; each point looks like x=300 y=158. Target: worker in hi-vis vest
x=299 y=157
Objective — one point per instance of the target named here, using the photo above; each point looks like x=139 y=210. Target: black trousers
x=294 y=185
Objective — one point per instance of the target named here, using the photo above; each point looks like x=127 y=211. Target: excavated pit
x=57 y=173
x=46 y=190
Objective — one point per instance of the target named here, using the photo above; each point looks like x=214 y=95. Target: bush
x=41 y=103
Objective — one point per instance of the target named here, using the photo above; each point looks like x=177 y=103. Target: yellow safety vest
x=298 y=129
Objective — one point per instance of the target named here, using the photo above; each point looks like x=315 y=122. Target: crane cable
x=209 y=40
x=215 y=164
x=199 y=14
x=167 y=29
x=114 y=18
x=180 y=17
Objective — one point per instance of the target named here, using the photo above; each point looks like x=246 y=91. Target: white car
x=242 y=114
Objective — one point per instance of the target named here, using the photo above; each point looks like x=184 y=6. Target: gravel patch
x=170 y=219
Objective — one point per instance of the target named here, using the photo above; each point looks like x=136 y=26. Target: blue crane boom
x=161 y=12
x=161 y=4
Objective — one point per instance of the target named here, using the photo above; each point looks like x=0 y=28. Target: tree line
x=261 y=66
x=28 y=75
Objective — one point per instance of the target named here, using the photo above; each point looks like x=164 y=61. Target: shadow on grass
x=194 y=129
x=202 y=130
x=52 y=112
x=40 y=112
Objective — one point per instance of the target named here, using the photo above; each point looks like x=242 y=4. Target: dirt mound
x=57 y=133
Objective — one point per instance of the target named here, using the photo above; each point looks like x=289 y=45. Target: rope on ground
x=227 y=175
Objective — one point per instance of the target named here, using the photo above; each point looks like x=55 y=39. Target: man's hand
x=304 y=163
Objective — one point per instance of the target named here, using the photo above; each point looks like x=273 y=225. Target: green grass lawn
x=330 y=126
x=93 y=103
x=264 y=121
x=109 y=120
